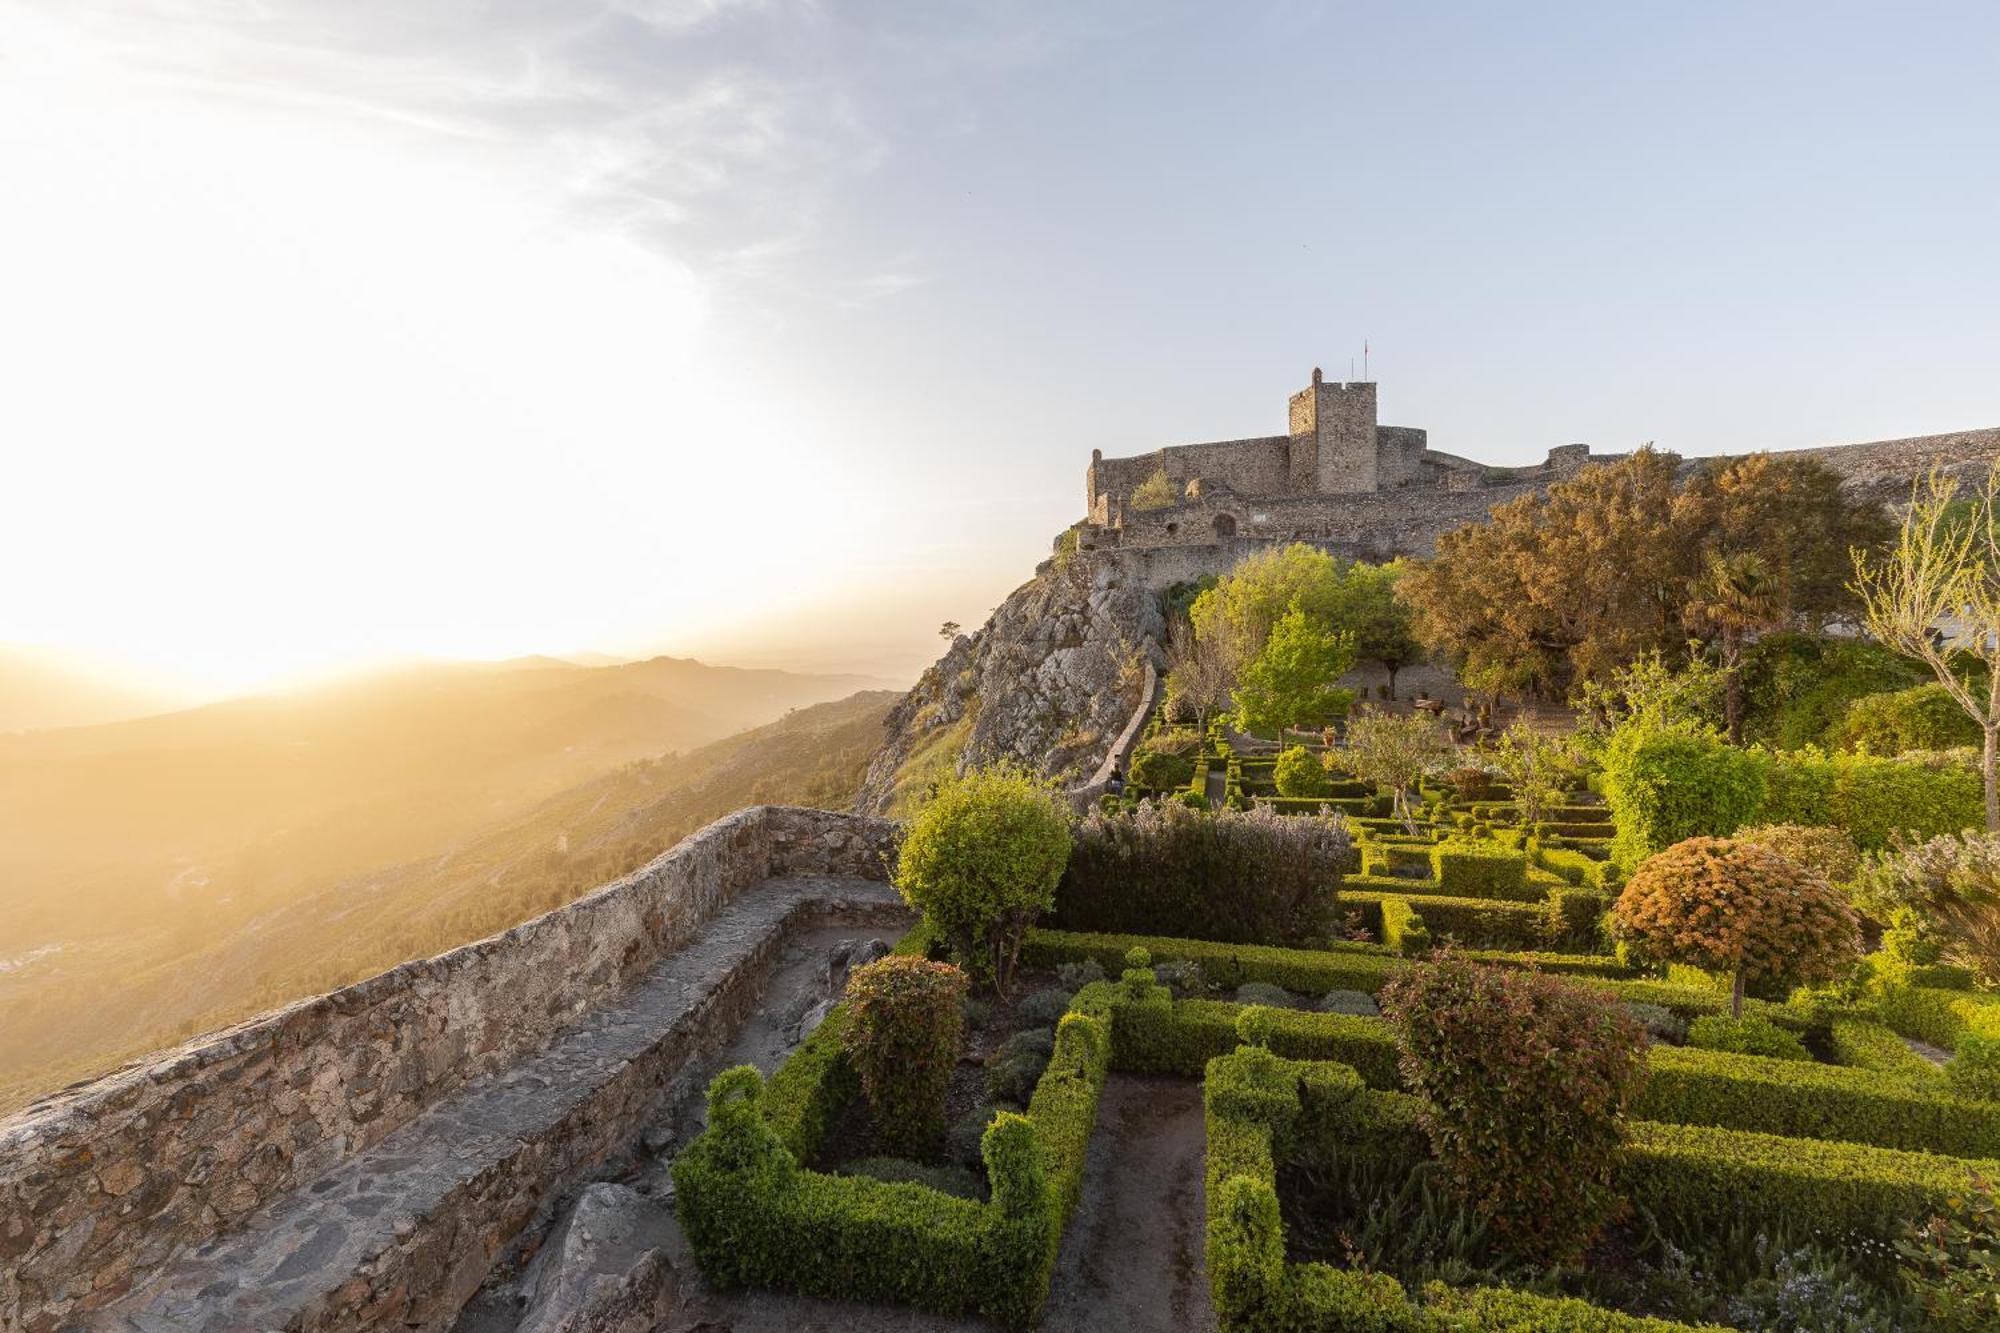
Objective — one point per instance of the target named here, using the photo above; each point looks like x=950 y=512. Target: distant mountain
x=121 y=963
x=40 y=688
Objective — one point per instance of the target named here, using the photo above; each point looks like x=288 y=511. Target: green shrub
x=1044 y=1008
x=952 y=1180
x=1525 y=1081
x=904 y=1033
x=1300 y=772
x=1153 y=770
x=1745 y=1036
x=1469 y=869
x=1951 y=1260
x=1737 y=908
x=1661 y=1023
x=1924 y=717
x=1573 y=916
x=1862 y=1043
x=1402 y=929
x=1668 y=784
x=1797 y=1097
x=1230 y=876
x=981 y=862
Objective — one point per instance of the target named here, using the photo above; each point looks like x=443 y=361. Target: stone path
x=442 y=1195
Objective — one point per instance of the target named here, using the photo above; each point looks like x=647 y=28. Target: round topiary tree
x=1524 y=1082
x=981 y=861
x=1731 y=906
x=1300 y=772
x=905 y=1028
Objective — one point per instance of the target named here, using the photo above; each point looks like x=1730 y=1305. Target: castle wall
x=1399 y=456
x=105 y=1182
x=1345 y=422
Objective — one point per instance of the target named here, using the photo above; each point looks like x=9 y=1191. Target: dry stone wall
x=105 y=1182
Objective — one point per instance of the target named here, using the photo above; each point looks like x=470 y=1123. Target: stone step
x=403 y=1234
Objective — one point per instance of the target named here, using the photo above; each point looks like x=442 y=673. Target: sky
x=777 y=334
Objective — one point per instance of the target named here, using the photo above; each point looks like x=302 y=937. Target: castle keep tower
x=1333 y=445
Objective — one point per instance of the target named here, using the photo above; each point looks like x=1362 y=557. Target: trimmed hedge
x=1402 y=929
x=1261 y=1110
x=1863 y=1043
x=1703 y=1179
x=1871 y=797
x=1807 y=1100
x=1483 y=921
x=1468 y=869
x=756 y=1217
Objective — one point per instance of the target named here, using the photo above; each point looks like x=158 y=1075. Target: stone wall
x=104 y=1182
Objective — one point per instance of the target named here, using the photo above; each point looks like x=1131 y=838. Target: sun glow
x=290 y=387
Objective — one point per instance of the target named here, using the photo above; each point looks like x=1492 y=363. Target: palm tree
x=1737 y=595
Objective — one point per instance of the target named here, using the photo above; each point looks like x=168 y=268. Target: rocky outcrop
x=1049 y=681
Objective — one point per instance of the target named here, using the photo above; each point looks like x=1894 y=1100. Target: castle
x=1340 y=480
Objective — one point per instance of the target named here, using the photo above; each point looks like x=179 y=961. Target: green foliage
x=1290 y=682
x=1745 y=1036
x=755 y=1217
x=1470 y=868
x=1668 y=783
x=1155 y=770
x=1873 y=798
x=1951 y=1260
x=981 y=862
x=1795 y=1096
x=1863 y=1043
x=1402 y=929
x=1367 y=607
x=1525 y=1081
x=1395 y=751
x=1924 y=717
x=1798 y=686
x=1230 y=875
x=1734 y=907
x=1301 y=772
x=904 y=1033
x=1943 y=895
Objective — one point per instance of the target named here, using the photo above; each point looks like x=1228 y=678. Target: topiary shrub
x=1737 y=908
x=1250 y=877
x=981 y=862
x=1665 y=784
x=1524 y=1082
x=903 y=1036
x=1300 y=772
x=1745 y=1036
x=1830 y=851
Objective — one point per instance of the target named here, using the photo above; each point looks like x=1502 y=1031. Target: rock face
x=1049 y=681
x=604 y=1268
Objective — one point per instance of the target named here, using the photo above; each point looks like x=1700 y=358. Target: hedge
x=1871 y=797
x=1578 y=868
x=1259 y=1110
x=1803 y=1099
x=755 y=1216
x=1402 y=929
x=1965 y=1022
x=1469 y=869
x=1701 y=1179
x=1863 y=1043
x=1484 y=921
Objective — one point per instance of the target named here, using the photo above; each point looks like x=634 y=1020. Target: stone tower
x=1333 y=449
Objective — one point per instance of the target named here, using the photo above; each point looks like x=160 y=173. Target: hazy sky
x=332 y=329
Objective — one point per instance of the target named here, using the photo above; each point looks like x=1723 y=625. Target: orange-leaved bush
x=905 y=1027
x=1525 y=1080
x=1727 y=905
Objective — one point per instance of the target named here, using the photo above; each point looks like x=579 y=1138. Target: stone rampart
x=103 y=1183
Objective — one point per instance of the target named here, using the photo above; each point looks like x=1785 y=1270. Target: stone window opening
x=1225 y=525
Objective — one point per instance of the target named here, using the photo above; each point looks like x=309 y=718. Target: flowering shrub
x=1524 y=1081
x=904 y=1032
x=1241 y=877
x=981 y=862
x=1729 y=906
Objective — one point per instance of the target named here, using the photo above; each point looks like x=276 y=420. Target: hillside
x=40 y=688
x=76 y=1006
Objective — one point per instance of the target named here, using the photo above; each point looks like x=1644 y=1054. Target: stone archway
x=1225 y=525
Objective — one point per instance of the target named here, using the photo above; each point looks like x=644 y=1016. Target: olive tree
x=1394 y=751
